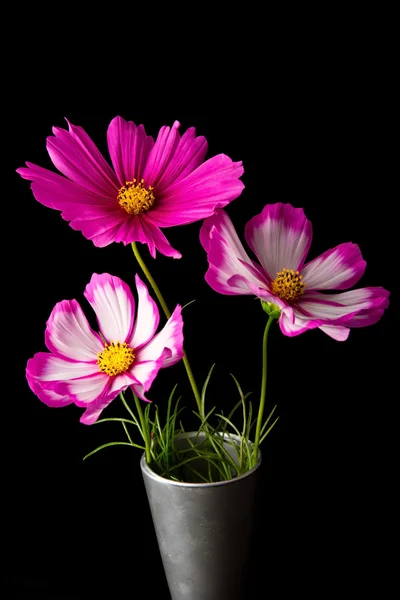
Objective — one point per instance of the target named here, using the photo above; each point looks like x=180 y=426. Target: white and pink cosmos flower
x=152 y=185
x=280 y=237
x=90 y=369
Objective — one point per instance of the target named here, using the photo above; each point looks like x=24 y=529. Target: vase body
x=203 y=532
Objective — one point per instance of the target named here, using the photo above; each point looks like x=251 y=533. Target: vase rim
x=150 y=473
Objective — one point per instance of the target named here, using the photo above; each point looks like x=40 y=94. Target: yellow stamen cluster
x=135 y=198
x=288 y=285
x=116 y=358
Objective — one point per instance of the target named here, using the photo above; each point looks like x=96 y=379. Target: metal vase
x=203 y=532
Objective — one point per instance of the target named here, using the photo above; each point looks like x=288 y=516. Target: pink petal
x=170 y=337
x=213 y=184
x=44 y=367
x=337 y=332
x=293 y=323
x=230 y=268
x=368 y=305
x=113 y=303
x=116 y=385
x=34 y=370
x=129 y=147
x=69 y=335
x=147 y=317
x=85 y=390
x=265 y=294
x=366 y=317
x=361 y=298
x=161 y=154
x=75 y=155
x=154 y=238
x=145 y=373
x=100 y=219
x=280 y=237
x=94 y=410
x=102 y=227
x=59 y=193
x=187 y=156
x=317 y=306
x=335 y=269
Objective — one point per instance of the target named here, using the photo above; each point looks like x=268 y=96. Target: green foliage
x=219 y=450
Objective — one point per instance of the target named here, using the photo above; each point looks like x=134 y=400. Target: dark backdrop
x=83 y=529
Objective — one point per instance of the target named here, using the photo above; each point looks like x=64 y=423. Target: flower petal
x=293 y=323
x=36 y=373
x=170 y=337
x=161 y=153
x=94 y=409
x=337 y=332
x=46 y=367
x=317 y=306
x=367 y=304
x=213 y=184
x=147 y=317
x=76 y=156
x=99 y=219
x=280 y=237
x=102 y=227
x=187 y=156
x=86 y=389
x=148 y=233
x=69 y=335
x=335 y=269
x=113 y=303
x=116 y=385
x=230 y=269
x=129 y=147
x=60 y=193
x=145 y=372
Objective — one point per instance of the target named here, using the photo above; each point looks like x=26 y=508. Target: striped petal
x=335 y=269
x=230 y=269
x=113 y=303
x=76 y=156
x=147 y=317
x=161 y=154
x=129 y=148
x=213 y=184
x=280 y=237
x=170 y=338
x=86 y=389
x=69 y=335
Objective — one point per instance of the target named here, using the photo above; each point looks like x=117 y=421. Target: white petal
x=68 y=333
x=113 y=303
x=147 y=317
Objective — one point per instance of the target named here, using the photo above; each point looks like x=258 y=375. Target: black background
x=318 y=137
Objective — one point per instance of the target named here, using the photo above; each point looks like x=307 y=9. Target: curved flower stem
x=168 y=315
x=263 y=390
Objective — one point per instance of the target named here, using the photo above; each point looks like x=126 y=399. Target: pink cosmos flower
x=153 y=184
x=91 y=369
x=281 y=237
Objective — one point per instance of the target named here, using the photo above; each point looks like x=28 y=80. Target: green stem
x=168 y=315
x=144 y=431
x=263 y=390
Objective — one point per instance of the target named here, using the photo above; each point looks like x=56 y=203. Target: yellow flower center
x=135 y=198
x=116 y=358
x=288 y=285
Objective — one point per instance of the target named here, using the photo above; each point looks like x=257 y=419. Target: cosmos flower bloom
x=280 y=237
x=153 y=184
x=91 y=369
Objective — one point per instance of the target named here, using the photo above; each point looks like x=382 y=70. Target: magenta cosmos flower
x=90 y=369
x=281 y=237
x=153 y=185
